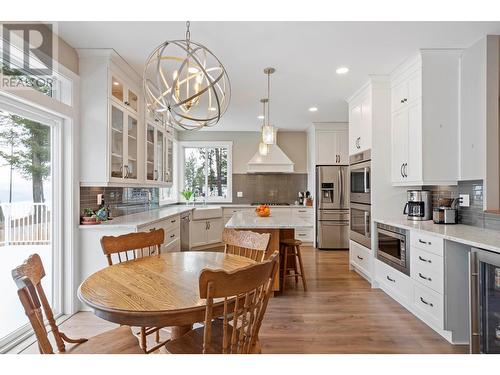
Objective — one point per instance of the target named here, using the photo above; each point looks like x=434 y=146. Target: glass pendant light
x=263 y=147
x=268 y=133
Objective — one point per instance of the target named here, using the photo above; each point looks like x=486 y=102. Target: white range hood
x=275 y=161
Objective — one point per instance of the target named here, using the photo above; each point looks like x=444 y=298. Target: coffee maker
x=419 y=205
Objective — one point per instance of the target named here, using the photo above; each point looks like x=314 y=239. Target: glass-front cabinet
x=124 y=143
x=159 y=154
x=124 y=94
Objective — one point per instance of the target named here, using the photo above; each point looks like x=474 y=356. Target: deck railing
x=25 y=224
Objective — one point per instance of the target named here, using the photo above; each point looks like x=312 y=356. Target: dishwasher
x=185 y=220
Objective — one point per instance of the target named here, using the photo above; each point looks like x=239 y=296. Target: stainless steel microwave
x=360 y=176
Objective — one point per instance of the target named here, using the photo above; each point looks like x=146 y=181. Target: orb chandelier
x=263 y=147
x=185 y=84
x=268 y=132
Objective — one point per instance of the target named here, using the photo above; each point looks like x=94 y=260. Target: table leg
x=178 y=331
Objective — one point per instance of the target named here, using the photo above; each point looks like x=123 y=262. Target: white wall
x=245 y=145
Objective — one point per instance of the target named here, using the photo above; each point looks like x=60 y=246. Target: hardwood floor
x=340 y=313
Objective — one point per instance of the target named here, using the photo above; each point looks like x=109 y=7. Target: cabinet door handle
x=402 y=100
x=424 y=277
x=152 y=229
x=424 y=260
x=401 y=170
x=360 y=258
x=388 y=278
x=126 y=103
x=427 y=303
x=173 y=221
x=172 y=235
x=424 y=242
x=209 y=225
x=405 y=169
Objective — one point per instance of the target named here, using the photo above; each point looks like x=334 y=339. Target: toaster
x=445 y=215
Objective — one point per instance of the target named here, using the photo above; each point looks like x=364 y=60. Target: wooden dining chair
x=28 y=277
x=132 y=246
x=244 y=294
x=245 y=243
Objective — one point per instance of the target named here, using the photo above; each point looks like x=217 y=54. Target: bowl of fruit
x=263 y=210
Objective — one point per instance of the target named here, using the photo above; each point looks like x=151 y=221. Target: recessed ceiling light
x=260 y=117
x=342 y=70
x=116 y=83
x=313 y=109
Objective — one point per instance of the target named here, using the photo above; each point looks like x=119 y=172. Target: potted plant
x=89 y=217
x=187 y=194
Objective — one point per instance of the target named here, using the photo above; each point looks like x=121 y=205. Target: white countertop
x=241 y=220
x=473 y=236
x=141 y=218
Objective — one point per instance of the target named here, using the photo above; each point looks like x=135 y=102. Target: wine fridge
x=484 y=301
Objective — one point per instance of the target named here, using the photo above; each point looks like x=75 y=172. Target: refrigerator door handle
x=341 y=188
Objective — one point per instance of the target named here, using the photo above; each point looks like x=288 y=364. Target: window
x=170 y=195
x=207 y=170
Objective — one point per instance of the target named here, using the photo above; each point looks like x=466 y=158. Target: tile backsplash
x=121 y=200
x=268 y=187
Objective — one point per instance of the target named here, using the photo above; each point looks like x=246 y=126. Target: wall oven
x=360 y=173
x=484 y=284
x=360 y=224
x=394 y=247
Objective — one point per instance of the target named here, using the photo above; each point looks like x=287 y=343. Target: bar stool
x=291 y=248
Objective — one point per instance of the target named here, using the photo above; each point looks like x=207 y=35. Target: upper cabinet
x=360 y=119
x=159 y=154
x=424 y=126
x=328 y=144
x=332 y=145
x=118 y=145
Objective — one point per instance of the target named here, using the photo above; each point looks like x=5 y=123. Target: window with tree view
x=206 y=171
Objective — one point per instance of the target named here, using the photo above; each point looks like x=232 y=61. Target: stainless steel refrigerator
x=332 y=216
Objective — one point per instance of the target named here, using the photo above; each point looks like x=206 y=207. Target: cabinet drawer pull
x=173 y=221
x=427 y=303
x=360 y=258
x=302 y=234
x=424 y=242
x=424 y=277
x=424 y=260
x=152 y=229
x=388 y=278
x=302 y=211
x=172 y=235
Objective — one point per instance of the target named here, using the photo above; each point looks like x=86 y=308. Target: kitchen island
x=279 y=226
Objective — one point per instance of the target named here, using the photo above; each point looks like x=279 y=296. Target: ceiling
x=305 y=55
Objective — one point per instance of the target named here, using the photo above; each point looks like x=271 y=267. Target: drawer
x=171 y=223
x=173 y=246
x=427 y=269
x=305 y=235
x=172 y=235
x=398 y=284
x=429 y=306
x=427 y=242
x=360 y=257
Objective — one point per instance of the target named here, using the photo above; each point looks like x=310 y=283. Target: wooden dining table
x=156 y=291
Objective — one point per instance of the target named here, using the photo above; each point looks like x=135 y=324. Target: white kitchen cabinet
x=425 y=119
x=361 y=115
x=332 y=147
x=361 y=259
x=205 y=232
x=306 y=235
x=159 y=154
x=111 y=128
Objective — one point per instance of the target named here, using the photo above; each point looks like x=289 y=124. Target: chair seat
x=291 y=242
x=116 y=341
x=192 y=342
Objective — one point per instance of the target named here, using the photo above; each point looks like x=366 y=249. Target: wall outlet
x=99 y=199
x=239 y=194
x=464 y=200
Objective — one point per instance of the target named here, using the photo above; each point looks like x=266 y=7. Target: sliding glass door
x=29 y=149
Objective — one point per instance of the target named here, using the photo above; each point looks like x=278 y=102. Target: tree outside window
x=206 y=172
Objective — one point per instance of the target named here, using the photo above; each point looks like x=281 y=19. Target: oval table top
x=157 y=290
